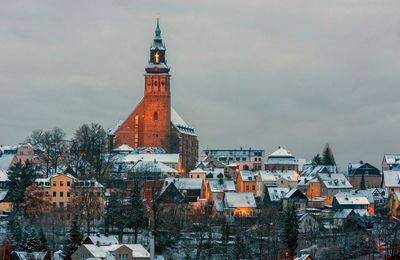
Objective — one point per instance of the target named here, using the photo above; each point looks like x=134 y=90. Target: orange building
x=314 y=188
x=154 y=123
x=246 y=181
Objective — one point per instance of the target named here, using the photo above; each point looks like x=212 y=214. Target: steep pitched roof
x=152 y=166
x=281 y=152
x=187 y=183
x=335 y=181
x=276 y=194
x=391 y=178
x=180 y=124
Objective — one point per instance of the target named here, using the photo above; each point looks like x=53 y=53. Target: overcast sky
x=258 y=74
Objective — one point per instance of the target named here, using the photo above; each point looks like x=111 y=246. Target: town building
x=296 y=199
x=217 y=188
x=358 y=171
x=239 y=204
x=154 y=123
x=391 y=180
x=243 y=159
x=117 y=252
x=391 y=162
x=281 y=160
x=331 y=184
x=246 y=181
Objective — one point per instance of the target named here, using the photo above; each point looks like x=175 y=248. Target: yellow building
x=394 y=204
x=64 y=189
x=246 y=181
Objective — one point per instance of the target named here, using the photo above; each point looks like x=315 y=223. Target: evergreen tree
x=15 y=231
x=327 y=156
x=32 y=241
x=20 y=177
x=290 y=230
x=225 y=237
x=73 y=241
x=362 y=183
x=137 y=218
x=239 y=248
x=316 y=160
x=43 y=241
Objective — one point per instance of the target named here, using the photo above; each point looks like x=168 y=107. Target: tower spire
x=158 y=30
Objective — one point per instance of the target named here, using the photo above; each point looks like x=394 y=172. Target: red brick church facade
x=154 y=122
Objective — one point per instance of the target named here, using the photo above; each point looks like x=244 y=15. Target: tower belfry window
x=156 y=57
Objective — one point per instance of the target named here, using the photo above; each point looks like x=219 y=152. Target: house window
x=46 y=193
x=155 y=116
x=61 y=205
x=54 y=183
x=247 y=187
x=54 y=194
x=98 y=194
x=68 y=183
x=123 y=256
x=253 y=187
x=83 y=256
x=68 y=194
x=61 y=183
x=198 y=176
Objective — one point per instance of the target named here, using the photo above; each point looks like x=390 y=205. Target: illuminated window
x=54 y=183
x=61 y=183
x=155 y=116
x=156 y=57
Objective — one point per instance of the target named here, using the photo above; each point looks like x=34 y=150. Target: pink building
x=391 y=181
x=25 y=152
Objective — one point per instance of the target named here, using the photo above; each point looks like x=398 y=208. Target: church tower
x=157 y=95
x=154 y=123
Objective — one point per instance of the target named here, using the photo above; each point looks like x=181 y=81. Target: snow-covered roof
x=281 y=152
x=152 y=166
x=392 y=158
x=335 y=181
x=290 y=193
x=103 y=240
x=186 y=183
x=219 y=205
x=5 y=161
x=179 y=124
x=357 y=193
x=3 y=176
x=164 y=158
x=267 y=176
x=344 y=213
x=226 y=185
x=100 y=251
x=111 y=131
x=391 y=178
x=31 y=255
x=239 y=200
x=350 y=200
x=248 y=175
x=138 y=251
x=276 y=194
x=198 y=170
x=3 y=194
x=123 y=148
x=277 y=160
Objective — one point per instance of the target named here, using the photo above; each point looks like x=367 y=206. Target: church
x=154 y=123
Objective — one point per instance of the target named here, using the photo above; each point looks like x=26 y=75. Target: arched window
x=155 y=116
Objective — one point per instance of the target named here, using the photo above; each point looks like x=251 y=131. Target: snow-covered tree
x=20 y=177
x=33 y=243
x=73 y=240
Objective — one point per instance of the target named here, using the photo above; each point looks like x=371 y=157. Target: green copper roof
x=158 y=30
